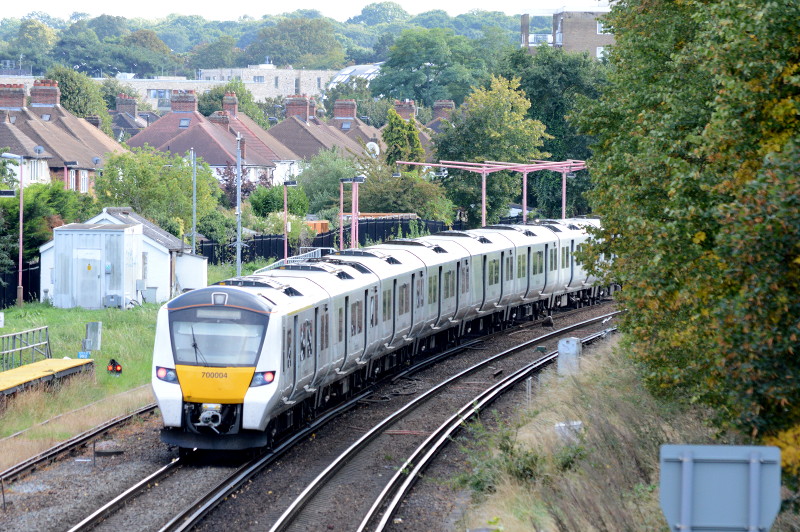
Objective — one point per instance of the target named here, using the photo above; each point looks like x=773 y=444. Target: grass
x=525 y=477
x=80 y=403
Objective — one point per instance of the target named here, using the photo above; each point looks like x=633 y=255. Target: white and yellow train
x=238 y=363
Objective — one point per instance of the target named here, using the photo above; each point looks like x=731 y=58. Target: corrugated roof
x=126 y=215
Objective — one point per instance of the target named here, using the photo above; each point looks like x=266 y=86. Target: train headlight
x=262 y=377
x=166 y=374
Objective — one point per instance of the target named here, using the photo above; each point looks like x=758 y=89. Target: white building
x=115 y=259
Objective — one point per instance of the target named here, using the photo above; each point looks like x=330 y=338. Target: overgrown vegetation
x=697 y=177
x=525 y=477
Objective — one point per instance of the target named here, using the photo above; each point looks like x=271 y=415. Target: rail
x=315 y=253
x=15 y=346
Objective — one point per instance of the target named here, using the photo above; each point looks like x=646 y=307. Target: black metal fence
x=370 y=231
x=31 y=282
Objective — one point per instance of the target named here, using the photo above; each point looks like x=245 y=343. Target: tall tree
x=320 y=179
x=212 y=101
x=697 y=145
x=402 y=140
x=428 y=65
x=555 y=82
x=380 y=13
x=491 y=125
x=80 y=95
x=158 y=186
x=300 y=42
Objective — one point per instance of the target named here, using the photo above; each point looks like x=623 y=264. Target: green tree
x=220 y=53
x=300 y=42
x=697 y=148
x=157 y=185
x=266 y=200
x=212 y=101
x=80 y=95
x=490 y=126
x=555 y=81
x=110 y=88
x=34 y=42
x=380 y=13
x=428 y=65
x=320 y=179
x=147 y=39
x=7 y=244
x=402 y=140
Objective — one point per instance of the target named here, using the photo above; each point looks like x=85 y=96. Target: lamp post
x=238 y=205
x=19 y=159
x=354 y=232
x=286 y=184
x=342 y=181
x=194 y=199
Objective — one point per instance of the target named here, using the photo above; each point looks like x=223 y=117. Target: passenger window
x=387 y=305
x=404 y=303
x=522 y=265
x=433 y=289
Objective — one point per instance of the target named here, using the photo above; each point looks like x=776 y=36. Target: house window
x=319 y=83
x=601 y=30
x=184 y=123
x=71 y=185
x=600 y=52
x=346 y=125
x=258 y=79
x=297 y=86
x=84 y=181
x=277 y=82
x=46 y=117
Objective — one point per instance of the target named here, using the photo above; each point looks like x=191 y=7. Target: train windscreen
x=216 y=336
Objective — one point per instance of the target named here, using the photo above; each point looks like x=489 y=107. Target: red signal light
x=269 y=376
x=114 y=367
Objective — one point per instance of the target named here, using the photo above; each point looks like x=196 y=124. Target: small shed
x=163 y=265
x=94 y=265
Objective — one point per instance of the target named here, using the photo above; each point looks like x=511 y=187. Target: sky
x=341 y=11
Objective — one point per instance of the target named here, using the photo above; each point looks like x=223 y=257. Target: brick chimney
x=344 y=109
x=184 y=101
x=45 y=93
x=12 y=96
x=230 y=103
x=405 y=108
x=127 y=104
x=223 y=118
x=297 y=105
x=312 y=108
x=443 y=108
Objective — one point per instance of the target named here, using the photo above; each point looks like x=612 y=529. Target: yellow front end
x=214 y=385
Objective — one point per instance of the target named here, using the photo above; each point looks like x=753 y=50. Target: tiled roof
x=307 y=139
x=63 y=136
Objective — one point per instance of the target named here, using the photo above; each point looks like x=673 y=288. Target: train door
x=528 y=271
x=484 y=280
x=304 y=350
x=289 y=341
x=503 y=276
x=343 y=328
x=571 y=251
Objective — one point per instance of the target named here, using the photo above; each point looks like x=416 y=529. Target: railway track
x=321 y=499
x=141 y=498
x=68 y=446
